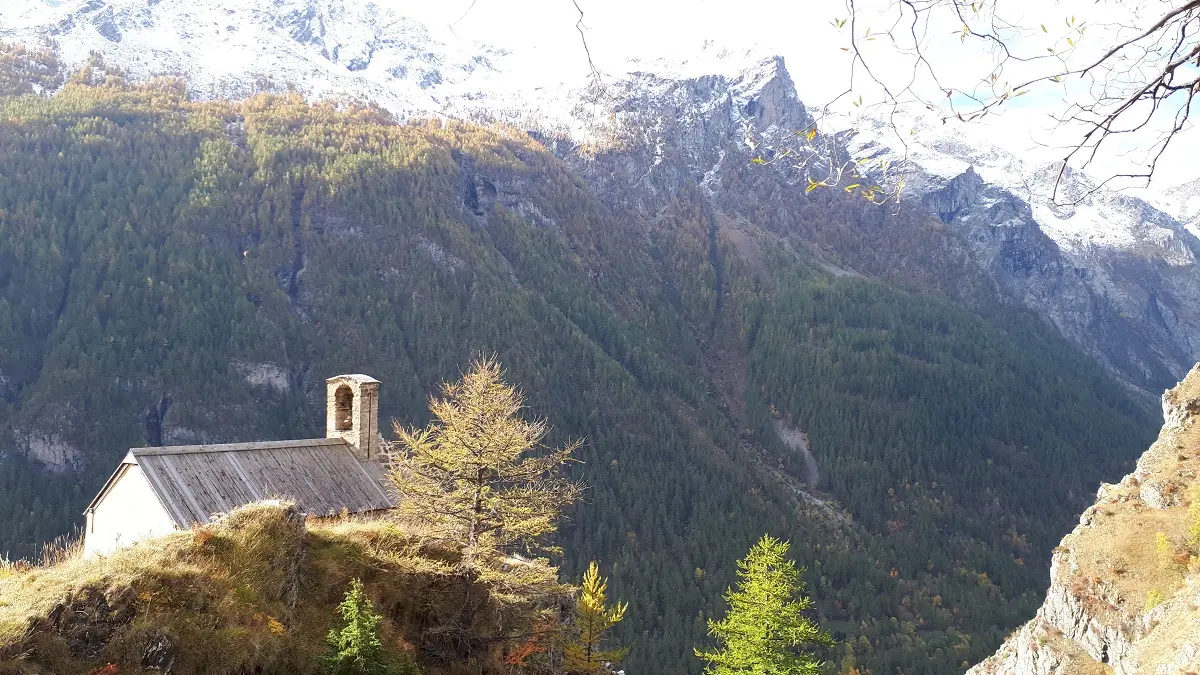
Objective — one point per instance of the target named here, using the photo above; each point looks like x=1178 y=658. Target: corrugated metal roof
x=322 y=476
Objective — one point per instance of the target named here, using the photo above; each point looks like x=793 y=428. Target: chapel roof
x=321 y=475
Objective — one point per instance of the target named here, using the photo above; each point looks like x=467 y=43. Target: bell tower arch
x=352 y=413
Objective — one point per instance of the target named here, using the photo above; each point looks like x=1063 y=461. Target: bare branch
x=583 y=39
x=1145 y=74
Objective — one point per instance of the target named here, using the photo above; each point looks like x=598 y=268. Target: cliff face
x=1125 y=584
x=1113 y=274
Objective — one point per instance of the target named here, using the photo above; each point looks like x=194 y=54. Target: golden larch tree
x=583 y=653
x=478 y=473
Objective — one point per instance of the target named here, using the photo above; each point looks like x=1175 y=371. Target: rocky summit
x=1114 y=274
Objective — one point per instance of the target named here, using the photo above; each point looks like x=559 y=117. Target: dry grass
x=1077 y=661
x=106 y=608
x=1119 y=547
x=60 y=549
x=1121 y=551
x=55 y=552
x=32 y=591
x=1178 y=626
x=254 y=592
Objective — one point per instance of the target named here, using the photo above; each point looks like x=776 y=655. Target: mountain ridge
x=234 y=48
x=1113 y=273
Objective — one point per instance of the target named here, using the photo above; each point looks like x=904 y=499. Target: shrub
x=1153 y=599
x=1166 y=552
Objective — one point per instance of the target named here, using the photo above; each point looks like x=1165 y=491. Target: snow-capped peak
x=1182 y=202
x=235 y=47
x=1081 y=215
x=360 y=49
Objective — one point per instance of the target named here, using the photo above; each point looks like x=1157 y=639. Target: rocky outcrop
x=264 y=375
x=50 y=449
x=795 y=438
x=1124 y=596
x=656 y=135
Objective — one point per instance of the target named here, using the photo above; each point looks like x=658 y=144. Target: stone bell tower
x=352 y=413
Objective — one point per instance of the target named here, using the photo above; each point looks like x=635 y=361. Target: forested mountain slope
x=175 y=271
x=1111 y=273
x=1124 y=592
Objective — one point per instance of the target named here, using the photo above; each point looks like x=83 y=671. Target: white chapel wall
x=128 y=513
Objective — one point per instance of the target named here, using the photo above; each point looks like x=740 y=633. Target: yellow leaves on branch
x=593 y=599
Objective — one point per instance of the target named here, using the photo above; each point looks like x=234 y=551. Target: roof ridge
x=235 y=447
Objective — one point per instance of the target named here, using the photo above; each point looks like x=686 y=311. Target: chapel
x=158 y=490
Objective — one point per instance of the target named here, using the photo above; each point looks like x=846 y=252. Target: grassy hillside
x=256 y=592
x=173 y=272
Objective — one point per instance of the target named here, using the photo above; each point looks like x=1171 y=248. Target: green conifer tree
x=355 y=647
x=765 y=631
x=593 y=619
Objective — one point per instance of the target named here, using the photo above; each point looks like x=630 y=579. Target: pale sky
x=542 y=35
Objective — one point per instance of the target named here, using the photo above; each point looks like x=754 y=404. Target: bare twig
x=583 y=39
x=1141 y=77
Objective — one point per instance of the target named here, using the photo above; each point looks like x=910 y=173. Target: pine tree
x=765 y=631
x=468 y=475
x=355 y=647
x=593 y=619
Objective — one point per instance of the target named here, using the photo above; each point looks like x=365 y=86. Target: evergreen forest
x=174 y=271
